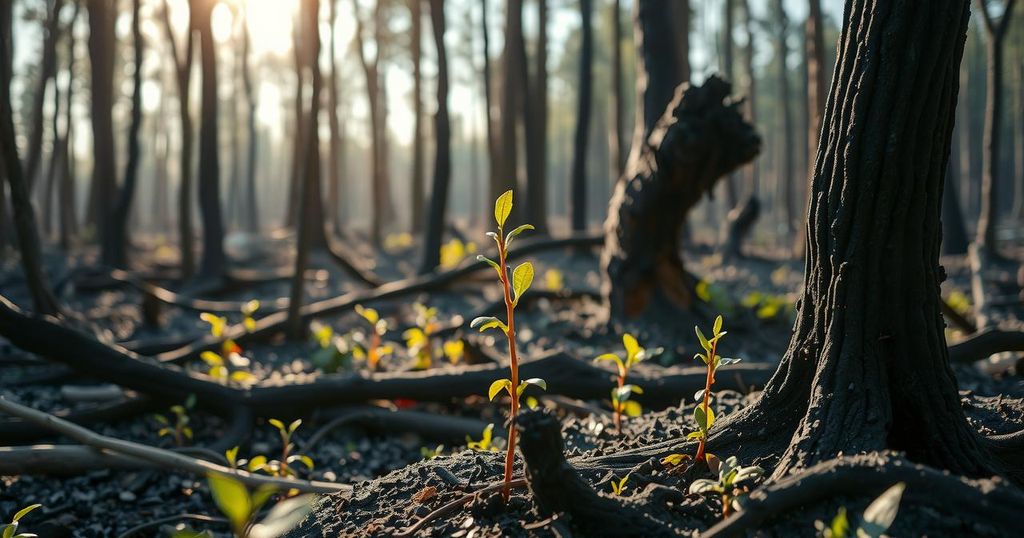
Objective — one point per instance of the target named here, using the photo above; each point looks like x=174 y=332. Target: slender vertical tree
x=443 y=159
x=615 y=141
x=252 y=213
x=119 y=216
x=47 y=70
x=415 y=50
x=750 y=86
x=183 y=76
x=67 y=211
x=511 y=101
x=814 y=49
x=535 y=118
x=213 y=264
x=579 y=160
x=102 y=14
x=728 y=23
x=785 y=172
x=24 y=214
x=378 y=124
x=995 y=33
x=493 y=152
x=336 y=156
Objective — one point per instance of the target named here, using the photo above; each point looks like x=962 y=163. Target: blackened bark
x=493 y=155
x=535 y=118
x=102 y=14
x=119 y=217
x=701 y=137
x=291 y=211
x=47 y=72
x=416 y=186
x=618 y=124
x=728 y=23
x=508 y=177
x=336 y=158
x=443 y=158
x=578 y=198
x=750 y=87
x=995 y=32
x=213 y=263
x=814 y=46
x=374 y=94
x=24 y=214
x=183 y=77
x=66 y=207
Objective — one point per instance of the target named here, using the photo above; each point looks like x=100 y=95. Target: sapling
x=619 y=486
x=484 y=444
x=702 y=414
x=375 y=349
x=513 y=286
x=621 y=394
x=248 y=310
x=282 y=467
x=10 y=530
x=730 y=484
x=454 y=350
x=877 y=517
x=241 y=507
x=180 y=430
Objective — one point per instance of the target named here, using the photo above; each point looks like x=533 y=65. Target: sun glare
x=270 y=25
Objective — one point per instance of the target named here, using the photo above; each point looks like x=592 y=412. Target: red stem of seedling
x=513 y=366
x=707 y=396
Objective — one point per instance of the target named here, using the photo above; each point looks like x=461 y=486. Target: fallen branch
x=428 y=425
x=994 y=503
x=71 y=460
x=20 y=431
x=164 y=458
x=985 y=344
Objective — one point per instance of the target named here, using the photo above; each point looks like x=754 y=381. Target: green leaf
x=840 y=525
x=536 y=381
x=503 y=208
x=231 y=498
x=498 y=386
x=695 y=435
x=880 y=514
x=747 y=473
x=522 y=277
x=703 y=418
x=612 y=357
x=294 y=425
x=718 y=326
x=703 y=341
x=633 y=409
x=21 y=513
x=283 y=517
x=250 y=307
x=519 y=229
x=261 y=496
x=211 y=358
x=674 y=459
x=231 y=455
x=488 y=261
x=306 y=460
x=257 y=463
x=277 y=424
x=488 y=322
x=631 y=345
x=368 y=314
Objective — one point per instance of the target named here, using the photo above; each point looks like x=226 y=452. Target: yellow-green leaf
x=532 y=381
x=249 y=323
x=633 y=409
x=674 y=459
x=211 y=358
x=503 y=208
x=522 y=277
x=718 y=326
x=277 y=424
x=231 y=498
x=368 y=314
x=632 y=346
x=497 y=387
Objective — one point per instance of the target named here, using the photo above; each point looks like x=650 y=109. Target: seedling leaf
x=231 y=498
x=519 y=229
x=24 y=511
x=503 y=208
x=497 y=387
x=880 y=514
x=522 y=277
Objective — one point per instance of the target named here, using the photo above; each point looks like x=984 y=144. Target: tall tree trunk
x=786 y=177
x=252 y=213
x=579 y=161
x=1018 y=126
x=119 y=217
x=53 y=165
x=47 y=70
x=995 y=32
x=416 y=187
x=728 y=23
x=493 y=152
x=535 y=117
x=213 y=263
x=750 y=88
x=615 y=141
x=814 y=44
x=66 y=207
x=310 y=176
x=298 y=152
x=336 y=157
x=443 y=159
x=24 y=214
x=378 y=124
x=512 y=62
x=102 y=14
x=954 y=233
x=183 y=77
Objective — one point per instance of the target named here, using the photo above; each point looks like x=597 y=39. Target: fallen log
x=985 y=344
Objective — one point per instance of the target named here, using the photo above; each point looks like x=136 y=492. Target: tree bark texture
x=535 y=118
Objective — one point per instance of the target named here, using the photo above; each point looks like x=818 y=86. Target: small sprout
x=241 y=507
x=217 y=323
x=10 y=530
x=397 y=242
x=553 y=280
x=248 y=310
x=618 y=486
x=484 y=444
x=621 y=394
x=179 y=431
x=282 y=467
x=334 y=351
x=453 y=252
x=454 y=350
x=431 y=453
x=376 y=350
x=703 y=415
x=231 y=455
x=730 y=477
x=877 y=518
x=506 y=385
x=219 y=368
x=488 y=322
x=674 y=460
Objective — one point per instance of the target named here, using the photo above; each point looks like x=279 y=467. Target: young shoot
x=877 y=518
x=619 y=486
x=621 y=394
x=180 y=430
x=514 y=284
x=731 y=483
x=248 y=310
x=334 y=352
x=282 y=467
x=454 y=350
x=375 y=350
x=220 y=371
x=241 y=507
x=702 y=414
x=10 y=530
x=484 y=444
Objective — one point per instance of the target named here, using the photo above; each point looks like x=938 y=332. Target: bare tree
x=615 y=140
x=443 y=159
x=995 y=33
x=102 y=14
x=535 y=120
x=579 y=161
x=252 y=216
x=119 y=217
x=785 y=172
x=512 y=69
x=493 y=152
x=47 y=70
x=213 y=263
x=415 y=49
x=336 y=157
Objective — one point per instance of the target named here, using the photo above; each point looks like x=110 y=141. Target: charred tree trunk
x=535 y=117
x=578 y=199
x=47 y=70
x=66 y=207
x=443 y=158
x=119 y=217
x=786 y=177
x=618 y=124
x=371 y=70
x=24 y=214
x=336 y=159
x=298 y=152
x=252 y=213
x=700 y=138
x=102 y=14
x=183 y=77
x=511 y=101
x=728 y=10
x=750 y=87
x=493 y=155
x=995 y=32
x=213 y=263
x=416 y=187
x=814 y=43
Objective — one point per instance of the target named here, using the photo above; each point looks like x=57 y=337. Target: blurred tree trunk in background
x=102 y=40
x=814 y=43
x=493 y=154
x=728 y=23
x=29 y=245
x=578 y=197
x=183 y=77
x=443 y=159
x=53 y=165
x=380 y=202
x=336 y=156
x=617 y=136
x=252 y=213
x=535 y=117
x=119 y=217
x=750 y=88
x=213 y=263
x=786 y=176
x=415 y=49
x=995 y=32
x=47 y=72
x=954 y=232
x=66 y=206
x=511 y=101
x=299 y=110
x=658 y=73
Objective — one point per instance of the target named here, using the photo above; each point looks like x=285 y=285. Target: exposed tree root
x=985 y=344
x=991 y=503
x=165 y=458
x=16 y=430
x=428 y=425
x=72 y=460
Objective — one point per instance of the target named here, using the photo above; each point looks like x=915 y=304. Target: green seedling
x=248 y=310
x=731 y=483
x=554 y=280
x=877 y=518
x=621 y=394
x=282 y=467
x=375 y=349
x=484 y=444
x=766 y=305
x=431 y=453
x=230 y=370
x=334 y=352
x=514 y=285
x=10 y=530
x=454 y=350
x=418 y=339
x=241 y=507
x=702 y=414
x=180 y=430
x=454 y=251
x=714 y=295
x=619 y=486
